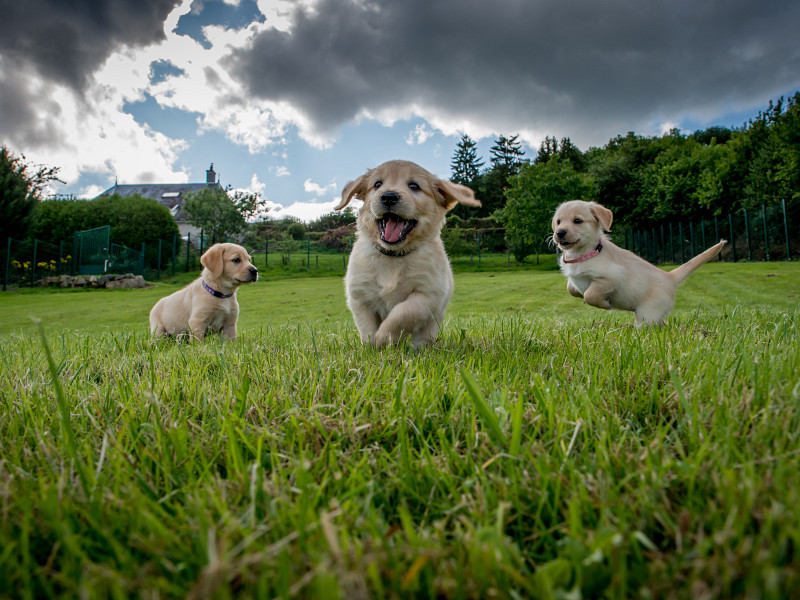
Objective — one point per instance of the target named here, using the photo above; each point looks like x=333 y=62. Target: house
x=170 y=195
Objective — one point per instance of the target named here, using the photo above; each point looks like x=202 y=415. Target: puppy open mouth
x=394 y=228
x=564 y=245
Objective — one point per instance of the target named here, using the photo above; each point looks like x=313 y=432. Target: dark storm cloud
x=582 y=68
x=66 y=41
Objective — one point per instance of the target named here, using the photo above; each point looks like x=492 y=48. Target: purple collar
x=591 y=254
x=214 y=292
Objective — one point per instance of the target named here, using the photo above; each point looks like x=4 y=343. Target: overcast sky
x=296 y=98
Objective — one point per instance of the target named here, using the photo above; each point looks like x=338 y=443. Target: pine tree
x=466 y=164
x=547 y=149
x=507 y=155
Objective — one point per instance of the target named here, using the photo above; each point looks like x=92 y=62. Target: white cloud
x=419 y=135
x=307 y=211
x=282 y=171
x=316 y=189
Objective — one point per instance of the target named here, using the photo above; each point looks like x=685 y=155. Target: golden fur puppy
x=610 y=277
x=208 y=304
x=399 y=281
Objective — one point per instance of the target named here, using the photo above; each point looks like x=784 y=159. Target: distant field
x=540 y=449
x=718 y=287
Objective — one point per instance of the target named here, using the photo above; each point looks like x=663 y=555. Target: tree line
x=644 y=180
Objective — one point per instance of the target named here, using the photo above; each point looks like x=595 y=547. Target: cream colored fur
x=193 y=310
x=404 y=294
x=615 y=278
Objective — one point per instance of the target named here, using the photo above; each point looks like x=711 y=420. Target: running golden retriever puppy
x=399 y=281
x=208 y=304
x=610 y=277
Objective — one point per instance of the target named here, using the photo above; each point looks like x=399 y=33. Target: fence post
x=188 y=244
x=201 y=242
x=308 y=251
x=141 y=261
x=60 y=255
x=671 y=245
x=33 y=263
x=747 y=234
x=479 y=249
x=680 y=236
x=786 y=230
x=158 y=263
x=663 y=252
x=766 y=238
x=716 y=237
x=174 y=252
x=655 y=246
x=76 y=245
x=8 y=265
x=266 y=253
x=733 y=241
x=703 y=233
x=691 y=237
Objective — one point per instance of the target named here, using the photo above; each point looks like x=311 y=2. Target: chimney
x=211 y=176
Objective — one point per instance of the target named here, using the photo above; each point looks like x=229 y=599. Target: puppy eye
x=377 y=185
x=558 y=222
x=237 y=260
x=413 y=187
x=578 y=221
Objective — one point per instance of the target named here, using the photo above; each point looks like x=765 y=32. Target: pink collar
x=591 y=254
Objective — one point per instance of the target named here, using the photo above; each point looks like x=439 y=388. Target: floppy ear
x=212 y=259
x=354 y=188
x=454 y=193
x=602 y=214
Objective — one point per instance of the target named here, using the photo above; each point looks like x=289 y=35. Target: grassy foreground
x=540 y=449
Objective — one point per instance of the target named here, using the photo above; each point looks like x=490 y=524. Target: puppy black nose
x=561 y=233
x=389 y=198
x=253 y=271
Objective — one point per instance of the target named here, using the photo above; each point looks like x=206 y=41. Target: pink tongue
x=393 y=230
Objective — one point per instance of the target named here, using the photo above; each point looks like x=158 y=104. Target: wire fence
x=764 y=233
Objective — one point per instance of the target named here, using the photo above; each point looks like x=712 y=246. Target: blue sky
x=294 y=98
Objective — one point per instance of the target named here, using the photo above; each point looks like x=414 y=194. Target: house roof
x=170 y=195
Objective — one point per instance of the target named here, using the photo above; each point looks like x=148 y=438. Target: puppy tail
x=687 y=268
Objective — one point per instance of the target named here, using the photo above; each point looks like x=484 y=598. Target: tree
x=550 y=147
x=20 y=193
x=507 y=155
x=249 y=204
x=333 y=220
x=547 y=149
x=219 y=215
x=466 y=165
x=532 y=199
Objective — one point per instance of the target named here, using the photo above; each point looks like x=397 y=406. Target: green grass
x=540 y=449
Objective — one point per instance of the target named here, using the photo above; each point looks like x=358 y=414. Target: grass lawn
x=541 y=448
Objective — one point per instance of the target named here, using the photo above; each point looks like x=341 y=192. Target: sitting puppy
x=610 y=277
x=398 y=281
x=208 y=304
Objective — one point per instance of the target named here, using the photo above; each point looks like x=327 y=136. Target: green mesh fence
x=124 y=260
x=762 y=233
x=27 y=263
x=92 y=250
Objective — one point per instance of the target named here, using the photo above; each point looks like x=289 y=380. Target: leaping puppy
x=610 y=277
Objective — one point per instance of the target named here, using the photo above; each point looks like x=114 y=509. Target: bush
x=297 y=231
